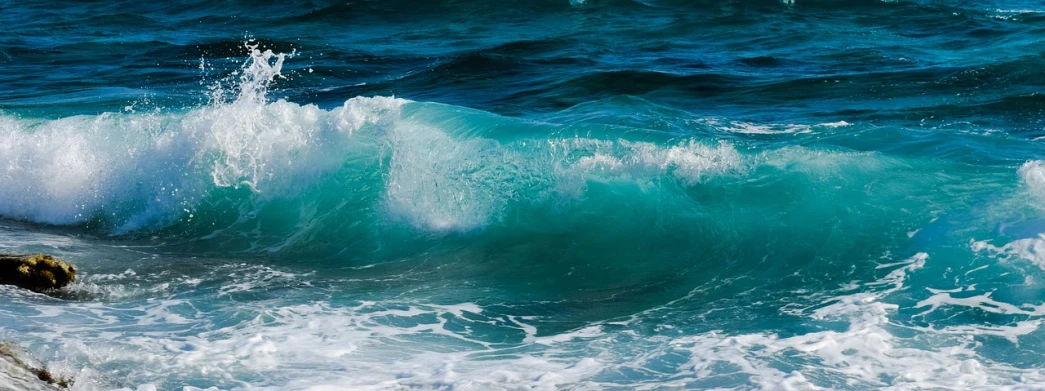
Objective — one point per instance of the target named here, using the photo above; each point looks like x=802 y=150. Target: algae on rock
x=37 y=273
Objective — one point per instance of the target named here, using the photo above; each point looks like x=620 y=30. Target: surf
x=429 y=245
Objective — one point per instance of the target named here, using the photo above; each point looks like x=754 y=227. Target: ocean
x=533 y=195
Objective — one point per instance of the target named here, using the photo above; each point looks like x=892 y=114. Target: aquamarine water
x=477 y=195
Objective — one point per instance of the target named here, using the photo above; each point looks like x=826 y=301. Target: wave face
x=586 y=195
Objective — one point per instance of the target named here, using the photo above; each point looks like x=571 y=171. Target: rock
x=37 y=273
x=18 y=372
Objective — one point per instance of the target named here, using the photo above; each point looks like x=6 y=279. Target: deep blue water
x=477 y=195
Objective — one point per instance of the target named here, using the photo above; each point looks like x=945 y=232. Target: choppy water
x=540 y=195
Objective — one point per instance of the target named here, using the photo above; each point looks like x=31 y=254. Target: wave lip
x=138 y=170
x=132 y=172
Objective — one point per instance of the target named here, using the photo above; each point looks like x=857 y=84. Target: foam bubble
x=1032 y=173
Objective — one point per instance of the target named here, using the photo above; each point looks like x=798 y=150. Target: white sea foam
x=147 y=170
x=442 y=182
x=690 y=162
x=755 y=128
x=144 y=170
x=398 y=345
x=1030 y=249
x=140 y=169
x=1032 y=174
x=867 y=354
x=1012 y=14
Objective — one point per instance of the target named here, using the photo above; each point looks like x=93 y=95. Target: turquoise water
x=548 y=195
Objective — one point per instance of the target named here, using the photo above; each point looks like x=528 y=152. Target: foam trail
x=395 y=344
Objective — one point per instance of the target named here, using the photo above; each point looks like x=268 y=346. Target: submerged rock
x=38 y=273
x=18 y=372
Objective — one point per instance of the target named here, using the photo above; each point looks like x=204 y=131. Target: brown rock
x=38 y=273
x=18 y=371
